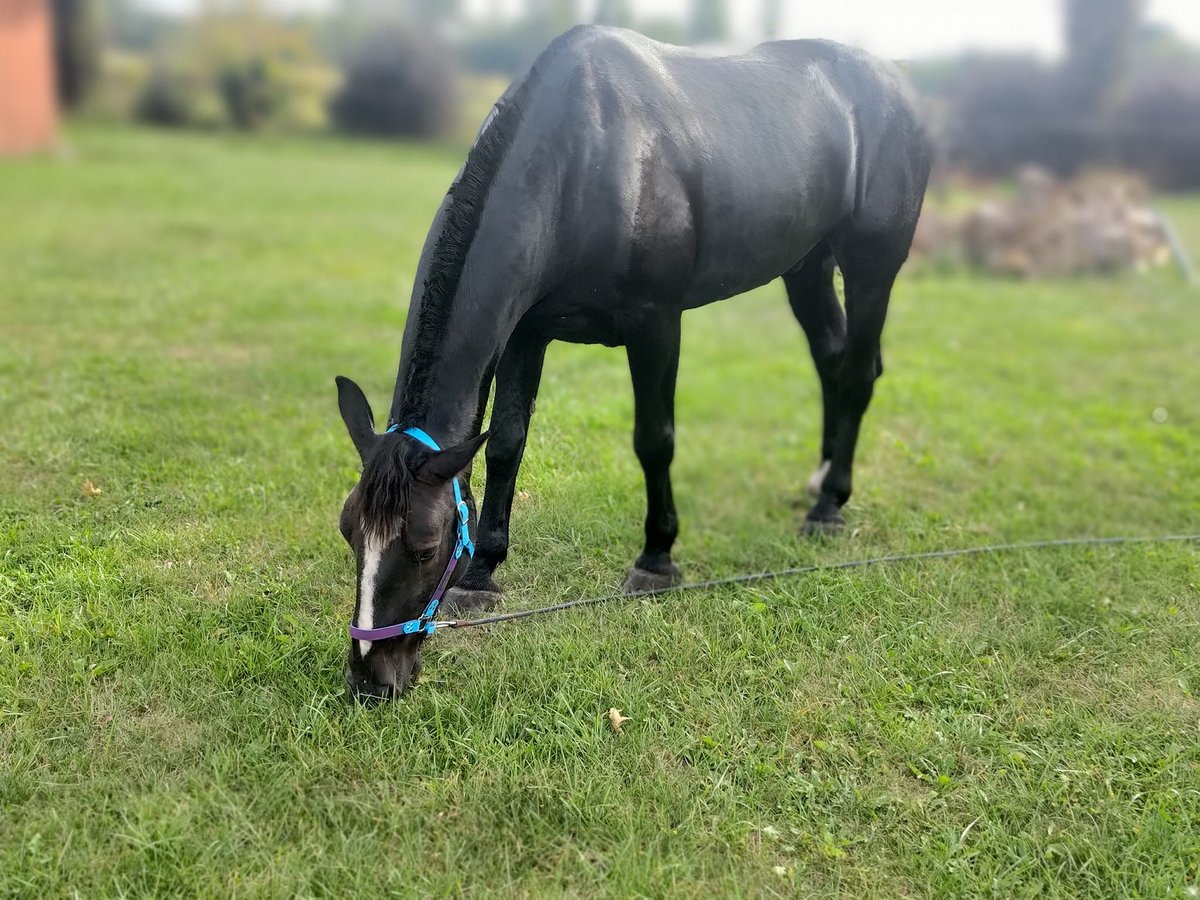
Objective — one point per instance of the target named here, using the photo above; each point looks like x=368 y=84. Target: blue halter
x=460 y=505
x=426 y=623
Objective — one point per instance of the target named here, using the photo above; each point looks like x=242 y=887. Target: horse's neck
x=476 y=278
x=447 y=363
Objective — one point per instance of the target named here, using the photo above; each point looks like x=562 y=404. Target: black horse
x=619 y=183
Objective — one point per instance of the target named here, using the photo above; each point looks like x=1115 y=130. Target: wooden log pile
x=1097 y=224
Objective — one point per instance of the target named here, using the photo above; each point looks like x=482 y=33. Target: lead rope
x=820 y=567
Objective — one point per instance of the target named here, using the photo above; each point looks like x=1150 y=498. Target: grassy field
x=173 y=715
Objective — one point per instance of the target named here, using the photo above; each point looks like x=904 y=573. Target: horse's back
x=787 y=99
x=714 y=174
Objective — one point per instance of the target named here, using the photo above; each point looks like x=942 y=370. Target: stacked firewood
x=1096 y=224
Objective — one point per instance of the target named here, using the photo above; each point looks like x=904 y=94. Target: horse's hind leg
x=869 y=267
x=814 y=302
x=653 y=363
x=517 y=378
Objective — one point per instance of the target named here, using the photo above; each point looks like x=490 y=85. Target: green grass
x=173 y=718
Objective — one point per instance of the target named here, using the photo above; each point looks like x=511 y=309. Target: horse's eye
x=425 y=555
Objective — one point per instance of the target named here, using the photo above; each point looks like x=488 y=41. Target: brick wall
x=28 y=108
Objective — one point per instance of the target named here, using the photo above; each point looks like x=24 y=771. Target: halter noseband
x=426 y=624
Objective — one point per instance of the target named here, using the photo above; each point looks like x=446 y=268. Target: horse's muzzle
x=388 y=670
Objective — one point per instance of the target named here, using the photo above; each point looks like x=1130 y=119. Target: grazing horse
x=619 y=183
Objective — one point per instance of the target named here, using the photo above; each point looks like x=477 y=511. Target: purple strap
x=424 y=624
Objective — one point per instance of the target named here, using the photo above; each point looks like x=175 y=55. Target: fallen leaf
x=90 y=489
x=522 y=495
x=616 y=719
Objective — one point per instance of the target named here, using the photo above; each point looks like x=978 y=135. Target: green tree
x=772 y=18
x=707 y=23
x=614 y=12
x=1099 y=41
x=78 y=47
x=251 y=91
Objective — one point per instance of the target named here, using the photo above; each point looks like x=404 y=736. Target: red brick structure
x=28 y=106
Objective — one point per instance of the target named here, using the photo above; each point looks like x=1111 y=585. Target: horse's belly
x=753 y=225
x=752 y=255
x=578 y=318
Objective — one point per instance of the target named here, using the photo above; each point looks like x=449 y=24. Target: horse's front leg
x=517 y=379
x=653 y=364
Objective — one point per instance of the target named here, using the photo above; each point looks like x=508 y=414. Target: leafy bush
x=252 y=94
x=122 y=83
x=396 y=84
x=1007 y=112
x=1157 y=129
x=167 y=98
x=236 y=67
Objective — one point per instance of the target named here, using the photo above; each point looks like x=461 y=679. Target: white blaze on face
x=372 y=555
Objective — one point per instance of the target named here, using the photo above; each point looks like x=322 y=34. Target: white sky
x=900 y=29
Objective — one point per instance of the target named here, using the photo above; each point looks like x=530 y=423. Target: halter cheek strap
x=426 y=624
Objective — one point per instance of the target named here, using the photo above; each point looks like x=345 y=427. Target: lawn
x=173 y=714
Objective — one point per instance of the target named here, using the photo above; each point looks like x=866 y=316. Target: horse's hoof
x=641 y=581
x=825 y=527
x=459 y=601
x=818 y=479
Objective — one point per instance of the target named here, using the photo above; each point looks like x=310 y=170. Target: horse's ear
x=356 y=413
x=444 y=465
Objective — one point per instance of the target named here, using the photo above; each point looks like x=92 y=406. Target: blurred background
x=210 y=208
x=1029 y=95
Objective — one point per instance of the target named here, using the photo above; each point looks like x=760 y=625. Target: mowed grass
x=173 y=717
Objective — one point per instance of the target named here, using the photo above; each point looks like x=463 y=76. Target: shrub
x=1009 y=112
x=251 y=93
x=396 y=84
x=235 y=67
x=122 y=82
x=1157 y=128
x=167 y=98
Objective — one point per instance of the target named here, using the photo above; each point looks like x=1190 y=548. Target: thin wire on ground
x=821 y=567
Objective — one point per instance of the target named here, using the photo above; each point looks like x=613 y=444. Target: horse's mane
x=387 y=476
x=460 y=224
